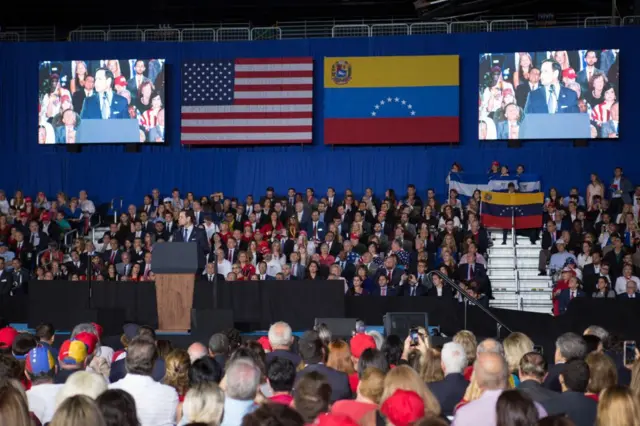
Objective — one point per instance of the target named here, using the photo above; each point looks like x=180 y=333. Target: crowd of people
x=316 y=379
x=376 y=246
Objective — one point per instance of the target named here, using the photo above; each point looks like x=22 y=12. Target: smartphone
x=413 y=332
x=629 y=352
x=538 y=349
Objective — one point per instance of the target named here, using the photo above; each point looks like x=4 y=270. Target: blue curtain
x=107 y=171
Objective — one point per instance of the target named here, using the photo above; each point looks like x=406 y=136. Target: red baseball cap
x=120 y=81
x=403 y=408
x=264 y=341
x=7 y=336
x=569 y=73
x=89 y=339
x=361 y=342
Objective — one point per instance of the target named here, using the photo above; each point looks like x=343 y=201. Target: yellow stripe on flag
x=515 y=199
x=391 y=71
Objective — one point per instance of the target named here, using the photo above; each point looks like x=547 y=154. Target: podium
x=174 y=265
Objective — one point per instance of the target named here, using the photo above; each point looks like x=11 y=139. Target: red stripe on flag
x=245 y=129
x=522 y=222
x=411 y=130
x=273 y=61
x=247 y=142
x=243 y=115
x=271 y=87
x=273 y=101
x=273 y=74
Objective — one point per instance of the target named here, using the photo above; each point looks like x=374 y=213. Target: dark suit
x=320 y=229
x=396 y=276
x=578 y=407
x=279 y=353
x=91 y=107
x=390 y=292
x=449 y=391
x=338 y=380
x=565 y=297
x=477 y=273
x=199 y=236
x=6 y=280
x=625 y=296
x=522 y=92
x=405 y=290
x=447 y=292
x=536 y=391
x=537 y=101
x=551 y=381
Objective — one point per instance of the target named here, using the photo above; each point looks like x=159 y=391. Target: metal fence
x=320 y=28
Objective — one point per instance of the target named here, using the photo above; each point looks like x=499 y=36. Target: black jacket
x=449 y=391
x=579 y=408
x=536 y=391
x=338 y=380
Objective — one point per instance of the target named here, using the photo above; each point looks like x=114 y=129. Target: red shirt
x=356 y=410
x=354 y=380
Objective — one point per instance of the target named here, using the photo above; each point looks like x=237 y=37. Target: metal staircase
x=513 y=271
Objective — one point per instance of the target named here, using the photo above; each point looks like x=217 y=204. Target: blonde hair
x=177 y=366
x=431 y=366
x=516 y=345
x=473 y=391
x=405 y=378
x=13 y=405
x=78 y=410
x=82 y=383
x=469 y=342
x=617 y=407
x=340 y=357
x=204 y=403
x=371 y=384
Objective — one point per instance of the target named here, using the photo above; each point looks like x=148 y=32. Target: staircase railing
x=468 y=299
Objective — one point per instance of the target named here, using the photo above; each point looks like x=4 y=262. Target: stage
x=255 y=305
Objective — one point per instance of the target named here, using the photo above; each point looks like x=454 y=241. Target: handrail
x=463 y=293
x=39 y=255
x=69 y=233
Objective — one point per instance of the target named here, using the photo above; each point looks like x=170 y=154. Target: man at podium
x=188 y=232
x=551 y=97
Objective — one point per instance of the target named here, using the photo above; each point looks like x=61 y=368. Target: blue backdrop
x=107 y=171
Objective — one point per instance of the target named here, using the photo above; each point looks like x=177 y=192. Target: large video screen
x=101 y=101
x=560 y=94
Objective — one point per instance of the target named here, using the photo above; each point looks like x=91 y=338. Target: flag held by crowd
x=466 y=183
x=247 y=101
x=391 y=100
x=498 y=209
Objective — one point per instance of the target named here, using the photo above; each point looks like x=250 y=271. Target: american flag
x=247 y=101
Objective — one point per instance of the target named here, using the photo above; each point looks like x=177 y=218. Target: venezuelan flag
x=498 y=207
x=391 y=100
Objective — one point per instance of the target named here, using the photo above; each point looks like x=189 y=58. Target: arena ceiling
x=70 y=14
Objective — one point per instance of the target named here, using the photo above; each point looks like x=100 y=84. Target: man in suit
x=138 y=79
x=568 y=294
x=569 y=346
x=210 y=274
x=124 y=268
x=38 y=239
x=383 y=289
x=591 y=273
x=262 y=272
x=311 y=351
x=50 y=228
x=610 y=128
x=523 y=89
x=281 y=339
x=509 y=128
x=472 y=271
x=412 y=287
x=532 y=370
x=77 y=99
x=76 y=266
x=315 y=228
x=389 y=270
x=451 y=389
x=6 y=280
x=105 y=103
x=584 y=76
x=188 y=232
x=156 y=134
x=581 y=409
x=549 y=238
x=551 y=97
x=631 y=291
